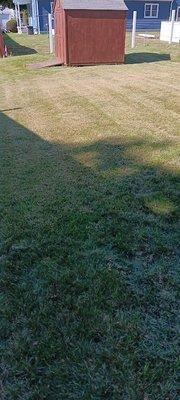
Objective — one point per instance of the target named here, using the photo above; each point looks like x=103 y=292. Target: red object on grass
x=2 y=46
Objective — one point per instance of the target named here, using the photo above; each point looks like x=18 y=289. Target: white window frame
x=151 y=16
x=178 y=14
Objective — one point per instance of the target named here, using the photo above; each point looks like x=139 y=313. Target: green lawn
x=88 y=233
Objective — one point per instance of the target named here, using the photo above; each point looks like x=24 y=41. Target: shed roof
x=93 y=5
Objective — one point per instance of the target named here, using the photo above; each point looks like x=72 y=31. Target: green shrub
x=11 y=25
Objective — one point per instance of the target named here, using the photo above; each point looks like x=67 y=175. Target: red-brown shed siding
x=60 y=35
x=85 y=36
x=95 y=36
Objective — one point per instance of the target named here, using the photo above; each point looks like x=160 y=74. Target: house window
x=151 y=10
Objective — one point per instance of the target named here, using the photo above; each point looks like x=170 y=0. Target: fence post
x=172 y=25
x=50 y=33
x=133 y=42
x=19 y=19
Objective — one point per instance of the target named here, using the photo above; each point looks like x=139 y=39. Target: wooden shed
x=89 y=31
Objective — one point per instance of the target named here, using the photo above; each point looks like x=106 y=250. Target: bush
x=11 y=25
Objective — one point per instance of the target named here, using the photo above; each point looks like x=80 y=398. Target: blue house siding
x=44 y=7
x=164 y=9
x=148 y=23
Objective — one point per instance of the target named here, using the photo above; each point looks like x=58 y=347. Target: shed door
x=59 y=35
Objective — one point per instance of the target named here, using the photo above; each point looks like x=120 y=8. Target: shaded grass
x=15 y=48
x=89 y=236
x=134 y=58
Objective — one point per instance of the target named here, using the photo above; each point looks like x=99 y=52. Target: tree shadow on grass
x=15 y=49
x=88 y=254
x=138 y=58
